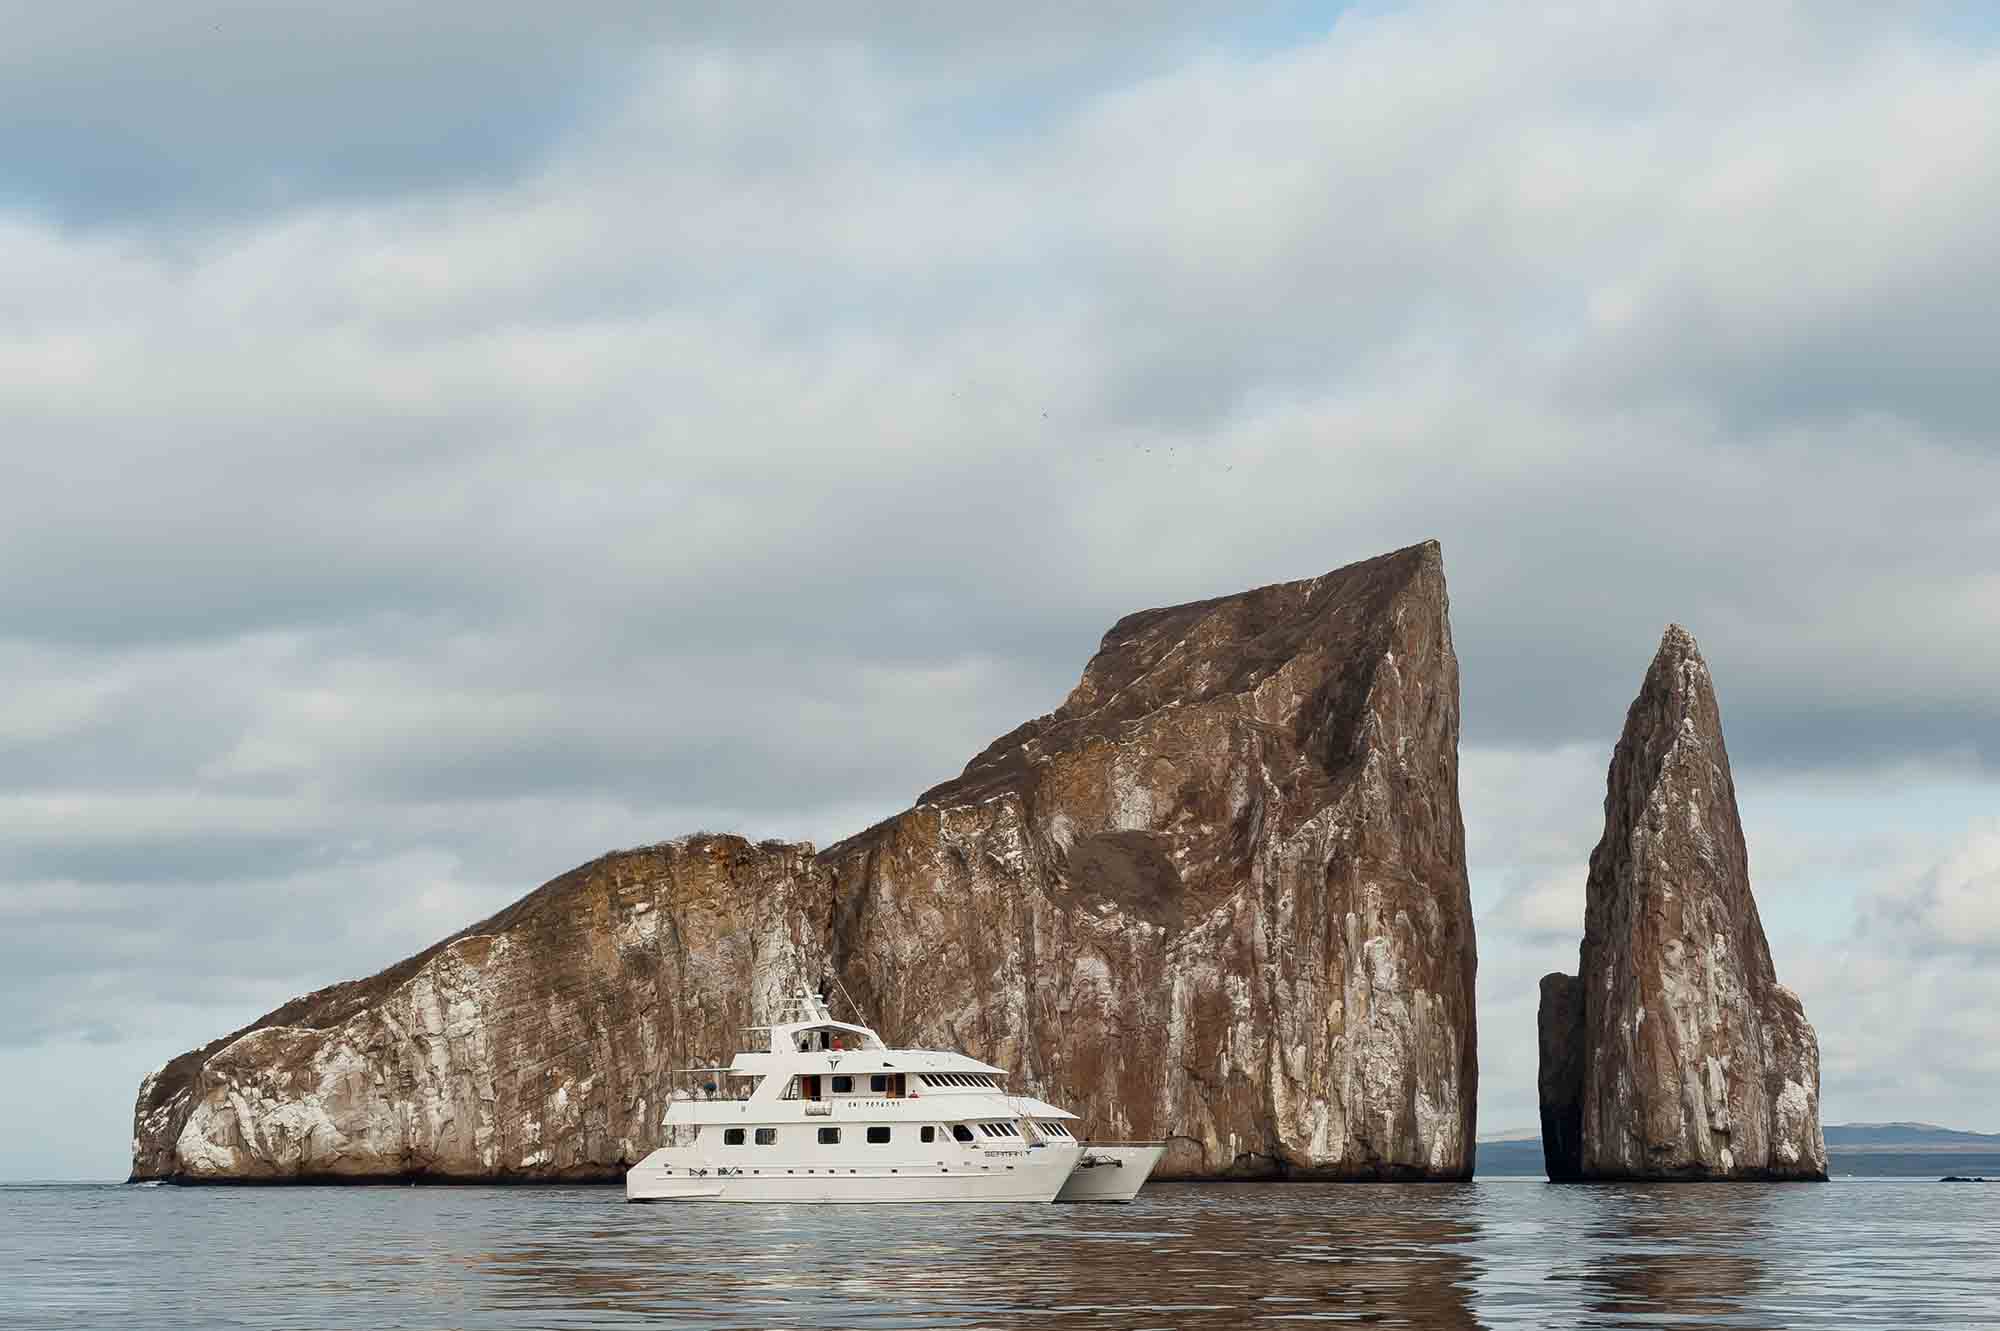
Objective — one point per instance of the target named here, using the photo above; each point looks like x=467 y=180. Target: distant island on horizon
x=1901 y=1149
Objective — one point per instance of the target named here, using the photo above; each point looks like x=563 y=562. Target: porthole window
x=767 y=1136
x=927 y=1134
x=877 y=1136
x=829 y=1136
x=732 y=1136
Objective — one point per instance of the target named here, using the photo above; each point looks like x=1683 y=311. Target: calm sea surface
x=1491 y=1254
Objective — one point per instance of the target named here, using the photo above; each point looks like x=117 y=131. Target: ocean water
x=1505 y=1253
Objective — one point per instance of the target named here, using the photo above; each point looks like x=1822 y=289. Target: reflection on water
x=1501 y=1254
x=1673 y=1256
x=1186 y=1257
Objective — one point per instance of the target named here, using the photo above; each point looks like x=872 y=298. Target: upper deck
x=815 y=1065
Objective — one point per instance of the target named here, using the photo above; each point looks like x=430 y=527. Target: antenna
x=859 y=1016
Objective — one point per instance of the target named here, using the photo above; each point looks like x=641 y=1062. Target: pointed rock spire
x=1675 y=1053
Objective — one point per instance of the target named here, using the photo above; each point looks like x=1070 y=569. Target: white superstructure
x=828 y=1113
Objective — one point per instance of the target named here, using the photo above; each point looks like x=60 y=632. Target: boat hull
x=1111 y=1173
x=1037 y=1177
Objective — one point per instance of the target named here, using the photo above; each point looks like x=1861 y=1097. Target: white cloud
x=754 y=442
x=1906 y=1002
x=1953 y=907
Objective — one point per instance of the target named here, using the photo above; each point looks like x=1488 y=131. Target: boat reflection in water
x=1183 y=1255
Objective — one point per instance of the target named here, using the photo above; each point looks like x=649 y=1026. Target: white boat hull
x=1037 y=1177
x=1111 y=1173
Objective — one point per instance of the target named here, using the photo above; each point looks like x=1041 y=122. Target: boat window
x=767 y=1136
x=876 y=1136
x=878 y=1083
x=732 y=1136
x=927 y=1134
x=842 y=1085
x=961 y=1132
x=829 y=1136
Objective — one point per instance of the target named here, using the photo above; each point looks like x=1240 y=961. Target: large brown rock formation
x=1675 y=1053
x=1218 y=896
x=535 y=1044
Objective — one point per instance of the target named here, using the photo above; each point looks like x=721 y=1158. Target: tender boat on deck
x=830 y=1114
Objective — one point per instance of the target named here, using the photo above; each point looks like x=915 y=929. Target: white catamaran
x=830 y=1114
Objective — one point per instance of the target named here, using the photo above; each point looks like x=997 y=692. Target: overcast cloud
x=439 y=450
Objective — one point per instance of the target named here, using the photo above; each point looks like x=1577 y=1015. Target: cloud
x=1906 y=1000
x=1951 y=909
x=440 y=448
x=207 y=109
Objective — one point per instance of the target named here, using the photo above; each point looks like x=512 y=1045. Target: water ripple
x=1500 y=1254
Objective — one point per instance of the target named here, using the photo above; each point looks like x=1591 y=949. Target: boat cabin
x=819 y=1086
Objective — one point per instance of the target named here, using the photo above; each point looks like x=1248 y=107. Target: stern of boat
x=657 y=1179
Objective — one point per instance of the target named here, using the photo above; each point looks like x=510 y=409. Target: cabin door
x=809 y=1088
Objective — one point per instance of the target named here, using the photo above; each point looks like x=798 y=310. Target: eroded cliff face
x=1685 y=1058
x=1218 y=896
x=536 y=1044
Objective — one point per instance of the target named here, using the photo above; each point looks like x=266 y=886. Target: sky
x=441 y=443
